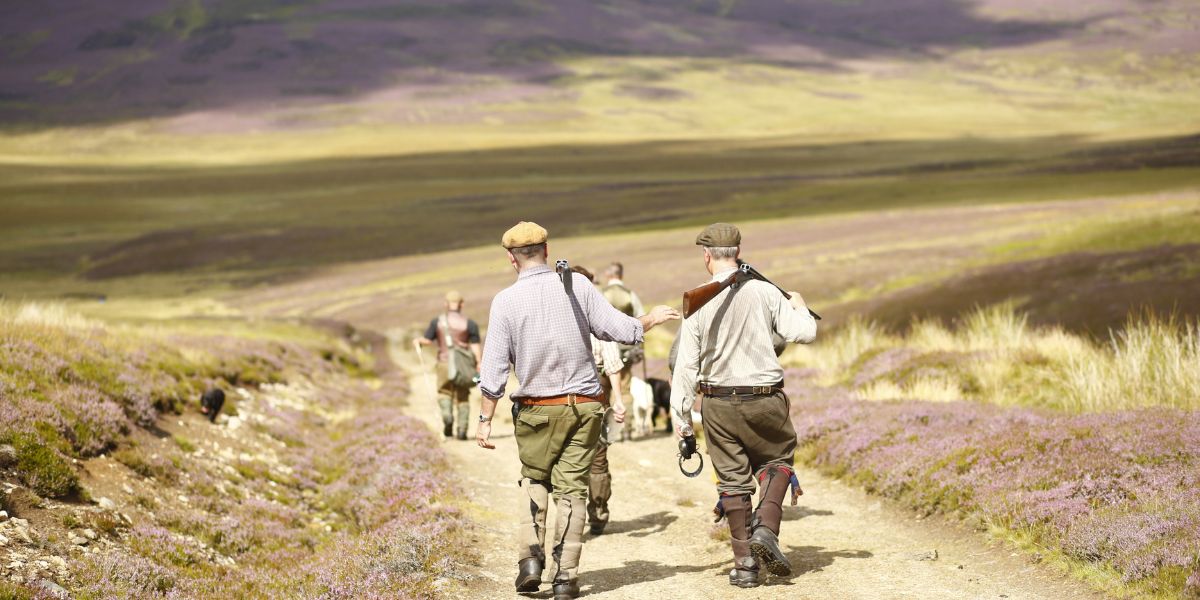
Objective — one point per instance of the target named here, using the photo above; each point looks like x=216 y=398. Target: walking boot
x=529 y=575
x=764 y=542
x=737 y=515
x=568 y=546
x=461 y=434
x=531 y=534
x=448 y=430
x=566 y=590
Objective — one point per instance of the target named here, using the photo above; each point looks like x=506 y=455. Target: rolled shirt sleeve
x=607 y=323
x=796 y=326
x=610 y=357
x=687 y=370
x=497 y=355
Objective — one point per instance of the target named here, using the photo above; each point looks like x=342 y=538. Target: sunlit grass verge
x=1115 y=496
x=993 y=355
x=320 y=489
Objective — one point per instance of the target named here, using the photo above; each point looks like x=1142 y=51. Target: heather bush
x=1120 y=489
x=350 y=504
x=118 y=575
x=44 y=469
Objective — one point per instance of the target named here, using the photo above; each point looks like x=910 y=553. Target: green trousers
x=556 y=444
x=451 y=397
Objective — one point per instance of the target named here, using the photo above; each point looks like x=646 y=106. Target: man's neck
x=531 y=265
x=718 y=267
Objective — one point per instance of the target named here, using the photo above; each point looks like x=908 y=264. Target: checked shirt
x=534 y=327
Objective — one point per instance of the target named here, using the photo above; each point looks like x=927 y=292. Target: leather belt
x=709 y=389
x=564 y=400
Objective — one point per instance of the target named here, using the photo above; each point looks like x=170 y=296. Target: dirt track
x=842 y=542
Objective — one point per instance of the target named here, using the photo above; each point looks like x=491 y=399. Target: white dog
x=643 y=405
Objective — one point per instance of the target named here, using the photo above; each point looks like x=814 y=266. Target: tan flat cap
x=525 y=233
x=719 y=235
x=454 y=296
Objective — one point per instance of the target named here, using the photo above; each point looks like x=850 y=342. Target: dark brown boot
x=737 y=515
x=531 y=534
x=764 y=542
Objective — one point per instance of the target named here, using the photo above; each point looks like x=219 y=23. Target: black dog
x=662 y=401
x=211 y=403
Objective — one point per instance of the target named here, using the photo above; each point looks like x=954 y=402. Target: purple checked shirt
x=534 y=327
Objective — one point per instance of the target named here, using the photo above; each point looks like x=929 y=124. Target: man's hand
x=618 y=407
x=658 y=315
x=482 y=432
x=797 y=301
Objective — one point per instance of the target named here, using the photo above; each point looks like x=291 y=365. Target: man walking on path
x=609 y=365
x=454 y=333
x=541 y=325
x=726 y=350
x=623 y=299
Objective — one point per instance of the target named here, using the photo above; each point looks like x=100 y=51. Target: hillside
x=309 y=483
x=70 y=61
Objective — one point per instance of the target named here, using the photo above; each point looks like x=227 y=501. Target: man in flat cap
x=623 y=299
x=541 y=325
x=458 y=358
x=726 y=350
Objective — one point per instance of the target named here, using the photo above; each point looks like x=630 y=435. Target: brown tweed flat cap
x=525 y=233
x=719 y=235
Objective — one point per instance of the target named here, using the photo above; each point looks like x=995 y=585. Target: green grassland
x=120 y=229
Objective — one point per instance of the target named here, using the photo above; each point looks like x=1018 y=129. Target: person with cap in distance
x=541 y=328
x=448 y=330
x=726 y=350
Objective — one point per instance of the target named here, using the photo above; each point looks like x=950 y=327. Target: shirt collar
x=535 y=270
x=723 y=275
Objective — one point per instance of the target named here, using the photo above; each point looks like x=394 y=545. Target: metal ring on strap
x=698 y=468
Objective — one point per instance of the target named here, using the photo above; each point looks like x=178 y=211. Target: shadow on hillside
x=85 y=62
x=1084 y=292
x=219 y=219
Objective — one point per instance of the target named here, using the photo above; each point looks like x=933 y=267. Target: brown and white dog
x=650 y=397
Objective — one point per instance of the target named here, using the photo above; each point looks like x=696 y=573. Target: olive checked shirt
x=545 y=336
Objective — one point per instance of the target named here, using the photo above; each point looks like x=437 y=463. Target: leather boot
x=568 y=545
x=737 y=515
x=599 y=491
x=764 y=542
x=448 y=430
x=461 y=434
x=531 y=534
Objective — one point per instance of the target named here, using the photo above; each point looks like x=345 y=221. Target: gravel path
x=842 y=542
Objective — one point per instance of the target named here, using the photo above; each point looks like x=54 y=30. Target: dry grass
x=994 y=355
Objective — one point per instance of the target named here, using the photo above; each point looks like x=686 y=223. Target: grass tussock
x=994 y=355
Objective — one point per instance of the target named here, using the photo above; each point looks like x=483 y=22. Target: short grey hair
x=525 y=253
x=723 y=252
